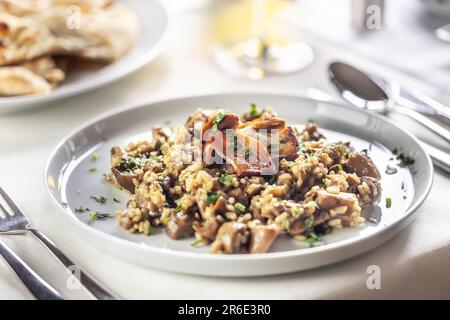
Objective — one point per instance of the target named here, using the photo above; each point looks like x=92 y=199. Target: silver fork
x=15 y=222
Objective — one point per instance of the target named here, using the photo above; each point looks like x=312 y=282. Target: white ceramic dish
x=154 y=23
x=70 y=184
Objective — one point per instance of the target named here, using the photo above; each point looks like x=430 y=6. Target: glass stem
x=258 y=11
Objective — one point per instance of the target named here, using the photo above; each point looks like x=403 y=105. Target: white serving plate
x=153 y=22
x=69 y=181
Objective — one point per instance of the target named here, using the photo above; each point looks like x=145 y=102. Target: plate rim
x=17 y=103
x=347 y=243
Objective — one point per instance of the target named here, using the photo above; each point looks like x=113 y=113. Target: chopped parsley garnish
x=254 y=112
x=116 y=200
x=388 y=202
x=212 y=198
x=92 y=169
x=239 y=207
x=312 y=238
x=309 y=222
x=271 y=180
x=94 y=215
x=324 y=181
x=196 y=243
x=94 y=157
x=217 y=121
x=99 y=199
x=403 y=185
x=364 y=151
x=80 y=209
x=179 y=208
x=296 y=212
x=340 y=168
x=225 y=179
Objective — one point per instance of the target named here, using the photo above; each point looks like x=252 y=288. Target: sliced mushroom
x=310 y=133
x=362 y=165
x=179 y=226
x=262 y=236
x=232 y=237
x=208 y=229
x=368 y=191
x=327 y=200
x=125 y=179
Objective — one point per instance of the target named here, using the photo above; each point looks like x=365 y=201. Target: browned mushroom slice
x=262 y=238
x=125 y=179
x=310 y=133
x=232 y=237
x=179 y=226
x=217 y=123
x=264 y=123
x=368 y=191
x=245 y=154
x=207 y=230
x=288 y=144
x=362 y=165
x=327 y=200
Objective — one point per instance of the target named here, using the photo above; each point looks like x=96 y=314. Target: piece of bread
x=16 y=81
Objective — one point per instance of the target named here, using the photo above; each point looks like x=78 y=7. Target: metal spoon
x=359 y=89
x=443 y=33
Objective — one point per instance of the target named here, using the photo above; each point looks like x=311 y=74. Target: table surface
x=414 y=264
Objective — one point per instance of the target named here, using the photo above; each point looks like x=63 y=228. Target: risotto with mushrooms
x=237 y=183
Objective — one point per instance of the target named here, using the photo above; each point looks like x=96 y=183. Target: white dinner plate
x=70 y=183
x=153 y=22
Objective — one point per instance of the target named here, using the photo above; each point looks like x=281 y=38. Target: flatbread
x=16 y=81
x=24 y=39
x=106 y=34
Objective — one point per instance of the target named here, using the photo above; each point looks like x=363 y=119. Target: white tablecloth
x=415 y=264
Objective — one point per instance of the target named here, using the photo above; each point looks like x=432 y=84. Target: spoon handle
x=440 y=158
x=431 y=125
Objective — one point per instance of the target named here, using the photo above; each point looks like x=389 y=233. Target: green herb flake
x=296 y=212
x=312 y=239
x=80 y=209
x=225 y=179
x=95 y=215
x=212 y=198
x=254 y=112
x=309 y=222
x=340 y=167
x=92 y=169
x=196 y=243
x=116 y=200
x=388 y=202
x=99 y=199
x=217 y=121
x=324 y=181
x=272 y=180
x=239 y=207
x=94 y=157
x=179 y=208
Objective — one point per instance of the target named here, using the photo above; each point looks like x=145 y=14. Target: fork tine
x=10 y=203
